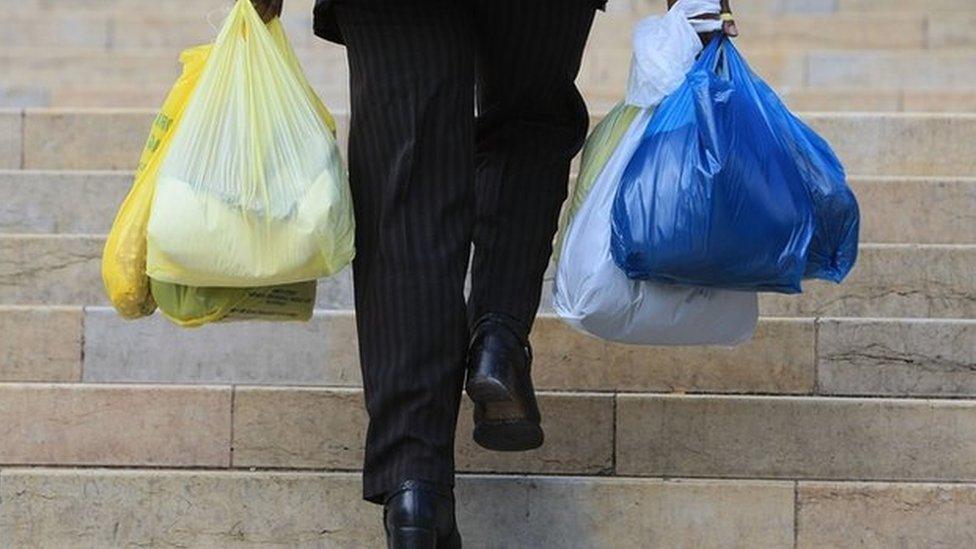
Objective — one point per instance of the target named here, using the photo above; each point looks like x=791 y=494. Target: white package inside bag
x=665 y=48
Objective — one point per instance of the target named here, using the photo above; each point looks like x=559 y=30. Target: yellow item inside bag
x=253 y=191
x=124 y=256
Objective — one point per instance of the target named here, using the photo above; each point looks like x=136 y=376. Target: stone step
x=637 y=434
x=847 y=31
x=908 y=69
x=37 y=76
x=170 y=7
x=54 y=69
x=59 y=507
x=861 y=99
x=278 y=427
x=831 y=356
x=135 y=31
x=891 y=280
x=884 y=6
x=142 y=30
x=830 y=99
x=44 y=507
x=795 y=437
x=95 y=345
x=868 y=143
x=924 y=210
x=797 y=98
x=810 y=7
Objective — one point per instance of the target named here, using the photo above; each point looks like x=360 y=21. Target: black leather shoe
x=420 y=515
x=506 y=415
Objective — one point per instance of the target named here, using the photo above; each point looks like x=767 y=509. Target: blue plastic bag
x=729 y=190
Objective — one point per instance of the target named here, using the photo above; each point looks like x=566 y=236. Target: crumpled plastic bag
x=727 y=189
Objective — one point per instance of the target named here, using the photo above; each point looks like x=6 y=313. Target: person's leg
x=531 y=122
x=411 y=171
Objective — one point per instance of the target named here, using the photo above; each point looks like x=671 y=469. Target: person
x=429 y=180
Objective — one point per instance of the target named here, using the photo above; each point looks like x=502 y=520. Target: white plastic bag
x=665 y=47
x=592 y=294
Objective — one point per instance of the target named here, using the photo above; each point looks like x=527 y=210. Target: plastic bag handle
x=722 y=58
x=712 y=55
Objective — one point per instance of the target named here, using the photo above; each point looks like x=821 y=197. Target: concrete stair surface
x=90 y=53
x=896 y=144
x=848 y=421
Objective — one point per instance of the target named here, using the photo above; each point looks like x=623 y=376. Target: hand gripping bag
x=124 y=255
x=252 y=191
x=728 y=189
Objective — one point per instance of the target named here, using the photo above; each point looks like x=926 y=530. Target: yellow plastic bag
x=253 y=191
x=190 y=307
x=132 y=292
x=124 y=256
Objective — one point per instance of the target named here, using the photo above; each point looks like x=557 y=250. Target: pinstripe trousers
x=431 y=178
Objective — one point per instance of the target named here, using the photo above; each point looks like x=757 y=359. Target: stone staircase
x=849 y=420
x=877 y=55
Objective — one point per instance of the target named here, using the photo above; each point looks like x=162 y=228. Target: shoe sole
x=503 y=435
x=509 y=436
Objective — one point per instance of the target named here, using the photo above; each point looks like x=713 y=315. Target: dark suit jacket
x=326 y=27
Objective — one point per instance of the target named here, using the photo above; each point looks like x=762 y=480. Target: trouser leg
x=531 y=122
x=411 y=172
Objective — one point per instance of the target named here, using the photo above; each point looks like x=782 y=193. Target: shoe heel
x=484 y=388
x=408 y=537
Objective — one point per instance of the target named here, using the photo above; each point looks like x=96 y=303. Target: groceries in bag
x=728 y=189
x=252 y=191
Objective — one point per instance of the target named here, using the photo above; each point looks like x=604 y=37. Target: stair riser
x=132 y=31
x=604 y=68
x=892 y=210
x=598 y=99
x=779 y=360
x=54 y=508
x=786 y=437
x=836 y=357
x=620 y=6
x=916 y=281
x=916 y=70
x=191 y=426
x=655 y=435
x=869 y=144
